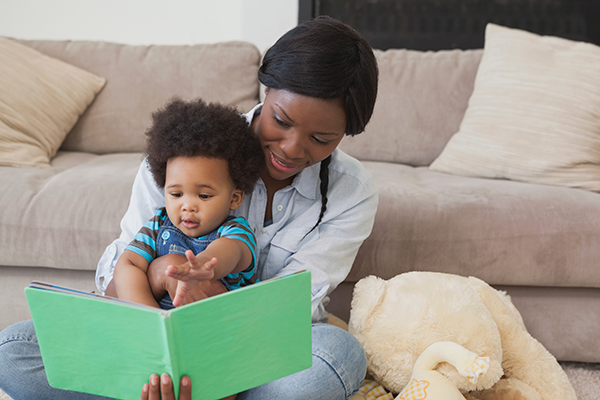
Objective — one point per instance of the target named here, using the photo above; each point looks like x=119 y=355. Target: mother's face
x=297 y=131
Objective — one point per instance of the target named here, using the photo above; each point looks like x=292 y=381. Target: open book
x=226 y=344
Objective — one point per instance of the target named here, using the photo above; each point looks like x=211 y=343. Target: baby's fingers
x=180 y=295
x=196 y=262
x=178 y=271
x=210 y=264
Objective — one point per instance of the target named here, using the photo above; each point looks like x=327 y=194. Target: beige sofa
x=537 y=242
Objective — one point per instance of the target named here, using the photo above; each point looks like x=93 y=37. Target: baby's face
x=199 y=194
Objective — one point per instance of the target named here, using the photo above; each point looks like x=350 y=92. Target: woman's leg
x=22 y=373
x=338 y=370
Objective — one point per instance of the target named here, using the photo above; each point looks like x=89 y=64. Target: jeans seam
x=335 y=370
x=15 y=338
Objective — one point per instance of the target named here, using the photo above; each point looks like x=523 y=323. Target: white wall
x=149 y=21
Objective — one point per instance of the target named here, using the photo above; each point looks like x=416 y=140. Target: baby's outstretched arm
x=220 y=258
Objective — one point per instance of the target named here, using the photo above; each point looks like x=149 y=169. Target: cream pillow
x=41 y=99
x=534 y=115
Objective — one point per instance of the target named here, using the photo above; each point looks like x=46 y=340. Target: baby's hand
x=197 y=269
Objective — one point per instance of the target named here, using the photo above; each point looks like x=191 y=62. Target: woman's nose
x=293 y=146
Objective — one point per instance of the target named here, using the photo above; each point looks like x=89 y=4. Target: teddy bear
x=426 y=333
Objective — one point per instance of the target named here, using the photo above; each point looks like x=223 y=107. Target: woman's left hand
x=162 y=388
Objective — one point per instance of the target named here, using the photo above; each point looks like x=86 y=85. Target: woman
x=312 y=208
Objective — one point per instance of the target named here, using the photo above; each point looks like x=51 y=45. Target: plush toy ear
x=368 y=293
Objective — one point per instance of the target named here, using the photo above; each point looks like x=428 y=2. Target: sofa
x=538 y=241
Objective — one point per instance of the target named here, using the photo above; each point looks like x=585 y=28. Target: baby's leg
x=157 y=273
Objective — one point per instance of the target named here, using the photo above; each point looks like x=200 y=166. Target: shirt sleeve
x=144 y=242
x=239 y=229
x=146 y=197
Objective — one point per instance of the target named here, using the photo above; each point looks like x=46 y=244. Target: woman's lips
x=281 y=166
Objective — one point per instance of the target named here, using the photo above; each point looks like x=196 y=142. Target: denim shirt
x=283 y=247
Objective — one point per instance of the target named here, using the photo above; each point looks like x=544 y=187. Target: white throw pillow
x=534 y=115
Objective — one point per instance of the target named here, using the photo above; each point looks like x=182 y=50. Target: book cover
x=226 y=344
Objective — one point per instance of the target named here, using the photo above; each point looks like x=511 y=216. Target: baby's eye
x=175 y=194
x=205 y=196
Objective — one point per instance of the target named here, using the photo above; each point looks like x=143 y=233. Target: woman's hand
x=162 y=388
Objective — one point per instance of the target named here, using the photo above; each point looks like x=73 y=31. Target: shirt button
x=279 y=207
x=263 y=230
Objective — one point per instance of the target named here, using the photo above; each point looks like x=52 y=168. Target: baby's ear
x=236 y=199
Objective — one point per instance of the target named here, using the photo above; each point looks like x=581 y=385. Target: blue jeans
x=338 y=370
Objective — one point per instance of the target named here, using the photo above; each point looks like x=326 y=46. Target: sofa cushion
x=534 y=115
x=64 y=216
x=41 y=98
x=503 y=232
x=421 y=100
x=142 y=78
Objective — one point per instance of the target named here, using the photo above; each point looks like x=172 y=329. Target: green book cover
x=226 y=344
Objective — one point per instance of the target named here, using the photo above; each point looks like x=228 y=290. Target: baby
x=206 y=157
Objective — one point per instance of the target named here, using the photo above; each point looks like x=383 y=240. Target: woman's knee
x=19 y=352
x=343 y=353
x=20 y=332
x=338 y=370
x=17 y=342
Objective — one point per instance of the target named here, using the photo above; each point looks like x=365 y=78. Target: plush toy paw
x=415 y=390
x=428 y=383
x=371 y=390
x=480 y=367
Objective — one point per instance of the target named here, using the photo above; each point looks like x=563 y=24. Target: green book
x=226 y=344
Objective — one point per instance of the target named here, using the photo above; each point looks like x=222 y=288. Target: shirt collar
x=255 y=111
x=306 y=182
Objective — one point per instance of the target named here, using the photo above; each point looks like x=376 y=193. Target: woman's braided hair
x=326 y=59
x=324 y=177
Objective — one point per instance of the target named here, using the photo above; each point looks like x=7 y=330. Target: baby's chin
x=193 y=233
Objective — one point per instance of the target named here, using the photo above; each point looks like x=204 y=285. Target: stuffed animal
x=436 y=333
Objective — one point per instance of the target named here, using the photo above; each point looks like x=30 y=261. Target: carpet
x=585 y=379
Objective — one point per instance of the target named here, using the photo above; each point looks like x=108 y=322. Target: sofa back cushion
x=421 y=101
x=140 y=79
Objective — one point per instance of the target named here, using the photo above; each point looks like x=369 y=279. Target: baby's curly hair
x=195 y=128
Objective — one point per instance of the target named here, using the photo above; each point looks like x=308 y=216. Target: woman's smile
x=283 y=166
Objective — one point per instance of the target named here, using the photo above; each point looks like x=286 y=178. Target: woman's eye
x=323 y=142
x=280 y=122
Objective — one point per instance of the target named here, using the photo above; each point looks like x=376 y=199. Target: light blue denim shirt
x=282 y=248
